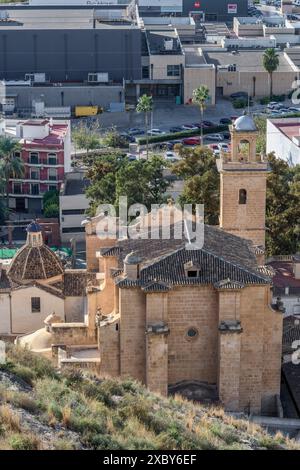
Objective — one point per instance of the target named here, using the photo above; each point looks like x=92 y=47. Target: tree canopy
x=198 y=170
x=112 y=176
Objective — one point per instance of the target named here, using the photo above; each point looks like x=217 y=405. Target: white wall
x=4 y=313
x=23 y=320
x=282 y=146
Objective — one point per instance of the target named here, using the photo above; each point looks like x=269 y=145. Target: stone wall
x=109 y=346
x=132 y=339
x=72 y=334
x=196 y=358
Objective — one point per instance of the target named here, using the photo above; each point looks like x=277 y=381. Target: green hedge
x=181 y=135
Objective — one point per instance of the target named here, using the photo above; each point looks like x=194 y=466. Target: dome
x=33 y=227
x=34 y=263
x=244 y=123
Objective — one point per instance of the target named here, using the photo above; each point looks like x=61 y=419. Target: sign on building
x=232 y=8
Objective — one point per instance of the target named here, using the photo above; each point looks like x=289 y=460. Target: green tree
x=198 y=170
x=261 y=125
x=142 y=182
x=200 y=97
x=11 y=166
x=112 y=138
x=283 y=208
x=270 y=63
x=51 y=204
x=145 y=105
x=86 y=138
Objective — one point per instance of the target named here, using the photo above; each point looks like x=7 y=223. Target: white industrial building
x=283 y=138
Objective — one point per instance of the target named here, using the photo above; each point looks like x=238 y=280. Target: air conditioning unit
x=99 y=77
x=36 y=77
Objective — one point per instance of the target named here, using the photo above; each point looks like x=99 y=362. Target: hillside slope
x=41 y=409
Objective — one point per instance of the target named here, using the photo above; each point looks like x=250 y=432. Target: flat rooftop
x=247 y=60
x=65 y=19
x=163 y=41
x=193 y=56
x=290 y=127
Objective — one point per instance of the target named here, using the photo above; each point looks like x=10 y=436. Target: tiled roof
x=223 y=256
x=76 y=281
x=228 y=284
x=283 y=274
x=291 y=333
x=33 y=263
x=51 y=290
x=5 y=282
x=110 y=251
x=156 y=287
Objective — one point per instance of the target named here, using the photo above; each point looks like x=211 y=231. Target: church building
x=179 y=319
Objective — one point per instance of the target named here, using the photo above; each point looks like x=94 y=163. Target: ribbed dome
x=34 y=263
x=244 y=123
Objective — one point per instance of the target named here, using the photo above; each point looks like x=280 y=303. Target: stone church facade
x=176 y=318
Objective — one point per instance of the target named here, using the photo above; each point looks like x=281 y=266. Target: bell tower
x=243 y=176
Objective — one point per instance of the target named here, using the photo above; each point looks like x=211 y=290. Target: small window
x=34 y=174
x=173 y=70
x=34 y=158
x=192 y=333
x=35 y=304
x=52 y=159
x=17 y=187
x=192 y=273
x=35 y=189
x=242 y=196
x=52 y=174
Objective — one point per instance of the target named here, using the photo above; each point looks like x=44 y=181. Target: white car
x=224 y=147
x=189 y=127
x=214 y=137
x=155 y=132
x=171 y=156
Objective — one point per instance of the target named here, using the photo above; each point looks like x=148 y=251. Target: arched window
x=242 y=196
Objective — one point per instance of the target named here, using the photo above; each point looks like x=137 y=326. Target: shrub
x=51 y=210
x=21 y=442
x=239 y=103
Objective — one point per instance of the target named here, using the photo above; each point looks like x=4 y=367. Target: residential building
x=73 y=205
x=45 y=149
x=283 y=138
x=286 y=282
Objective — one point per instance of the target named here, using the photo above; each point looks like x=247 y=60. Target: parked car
x=223 y=146
x=189 y=127
x=191 y=141
x=131 y=157
x=226 y=135
x=171 y=156
x=135 y=131
x=294 y=109
x=225 y=121
x=127 y=137
x=175 y=129
x=213 y=146
x=214 y=137
x=208 y=123
x=155 y=132
x=239 y=94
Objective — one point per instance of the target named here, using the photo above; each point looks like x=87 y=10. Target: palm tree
x=270 y=63
x=11 y=166
x=145 y=105
x=200 y=97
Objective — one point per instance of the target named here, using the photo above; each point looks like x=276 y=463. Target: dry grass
x=10 y=419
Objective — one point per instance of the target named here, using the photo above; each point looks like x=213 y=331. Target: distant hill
x=43 y=409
